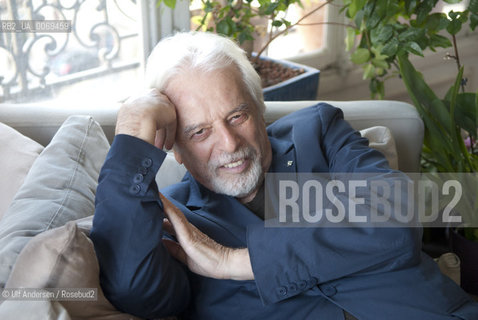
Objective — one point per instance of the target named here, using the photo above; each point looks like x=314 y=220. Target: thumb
x=175 y=250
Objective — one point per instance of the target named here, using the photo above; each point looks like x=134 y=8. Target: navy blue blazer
x=300 y=273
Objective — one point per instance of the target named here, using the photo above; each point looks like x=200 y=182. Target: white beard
x=242 y=184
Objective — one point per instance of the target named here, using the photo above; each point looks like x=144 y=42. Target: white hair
x=203 y=51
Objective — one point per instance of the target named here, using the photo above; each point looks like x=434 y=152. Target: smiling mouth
x=234 y=164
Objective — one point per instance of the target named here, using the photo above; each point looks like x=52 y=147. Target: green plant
x=233 y=18
x=390 y=31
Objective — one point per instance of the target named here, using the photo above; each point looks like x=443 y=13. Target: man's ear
x=177 y=155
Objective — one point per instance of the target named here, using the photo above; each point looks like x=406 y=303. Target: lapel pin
x=289 y=163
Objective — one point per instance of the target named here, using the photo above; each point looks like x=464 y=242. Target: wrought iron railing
x=103 y=39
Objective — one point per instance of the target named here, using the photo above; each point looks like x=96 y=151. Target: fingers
x=150 y=116
x=176 y=218
x=160 y=137
x=170 y=135
x=168 y=227
x=175 y=250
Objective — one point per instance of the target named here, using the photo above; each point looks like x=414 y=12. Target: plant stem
x=457 y=59
x=462 y=85
x=326 y=22
x=272 y=38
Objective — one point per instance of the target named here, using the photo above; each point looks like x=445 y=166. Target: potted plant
x=245 y=21
x=391 y=31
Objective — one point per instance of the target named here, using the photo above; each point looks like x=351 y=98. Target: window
x=39 y=62
x=314 y=39
x=101 y=58
x=318 y=41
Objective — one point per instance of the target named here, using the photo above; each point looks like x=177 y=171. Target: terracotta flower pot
x=467 y=251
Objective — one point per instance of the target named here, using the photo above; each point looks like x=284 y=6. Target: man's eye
x=199 y=134
x=238 y=118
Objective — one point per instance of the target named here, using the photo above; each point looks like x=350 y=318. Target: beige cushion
x=33 y=309
x=64 y=258
x=17 y=155
x=380 y=138
x=59 y=187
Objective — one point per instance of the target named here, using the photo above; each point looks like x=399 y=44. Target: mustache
x=225 y=157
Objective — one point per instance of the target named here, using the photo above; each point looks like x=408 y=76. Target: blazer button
x=138 y=178
x=135 y=188
x=302 y=284
x=147 y=162
x=142 y=170
x=292 y=287
x=328 y=290
x=282 y=291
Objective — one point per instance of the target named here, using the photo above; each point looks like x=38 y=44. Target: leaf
x=368 y=71
x=476 y=107
x=276 y=23
x=359 y=20
x=452 y=1
x=414 y=48
x=454 y=27
x=457 y=20
x=411 y=34
x=437 y=40
x=271 y=8
x=350 y=39
x=422 y=11
x=381 y=34
x=473 y=21
x=391 y=48
x=380 y=64
x=436 y=22
x=361 y=55
x=355 y=6
x=377 y=52
x=473 y=6
x=170 y=3
x=465 y=112
x=376 y=88
x=373 y=20
x=223 y=27
x=455 y=133
x=428 y=105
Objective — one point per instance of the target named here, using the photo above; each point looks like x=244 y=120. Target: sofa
x=51 y=158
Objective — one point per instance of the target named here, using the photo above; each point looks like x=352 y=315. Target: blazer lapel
x=283 y=156
x=225 y=212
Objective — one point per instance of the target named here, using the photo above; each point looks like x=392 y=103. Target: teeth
x=234 y=164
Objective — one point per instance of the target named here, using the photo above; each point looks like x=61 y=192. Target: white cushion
x=380 y=138
x=59 y=187
x=18 y=153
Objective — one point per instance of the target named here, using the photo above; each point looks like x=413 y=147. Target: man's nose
x=229 y=139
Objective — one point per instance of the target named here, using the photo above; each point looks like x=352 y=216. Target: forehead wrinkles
x=200 y=95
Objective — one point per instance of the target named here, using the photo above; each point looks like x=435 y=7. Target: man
x=207 y=105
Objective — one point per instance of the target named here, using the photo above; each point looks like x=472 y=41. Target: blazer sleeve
x=289 y=261
x=137 y=274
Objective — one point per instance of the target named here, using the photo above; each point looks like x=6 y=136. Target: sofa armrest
x=40 y=122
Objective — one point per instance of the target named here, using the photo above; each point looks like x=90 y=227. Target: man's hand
x=150 y=117
x=200 y=253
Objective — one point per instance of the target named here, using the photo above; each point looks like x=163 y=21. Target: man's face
x=221 y=136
